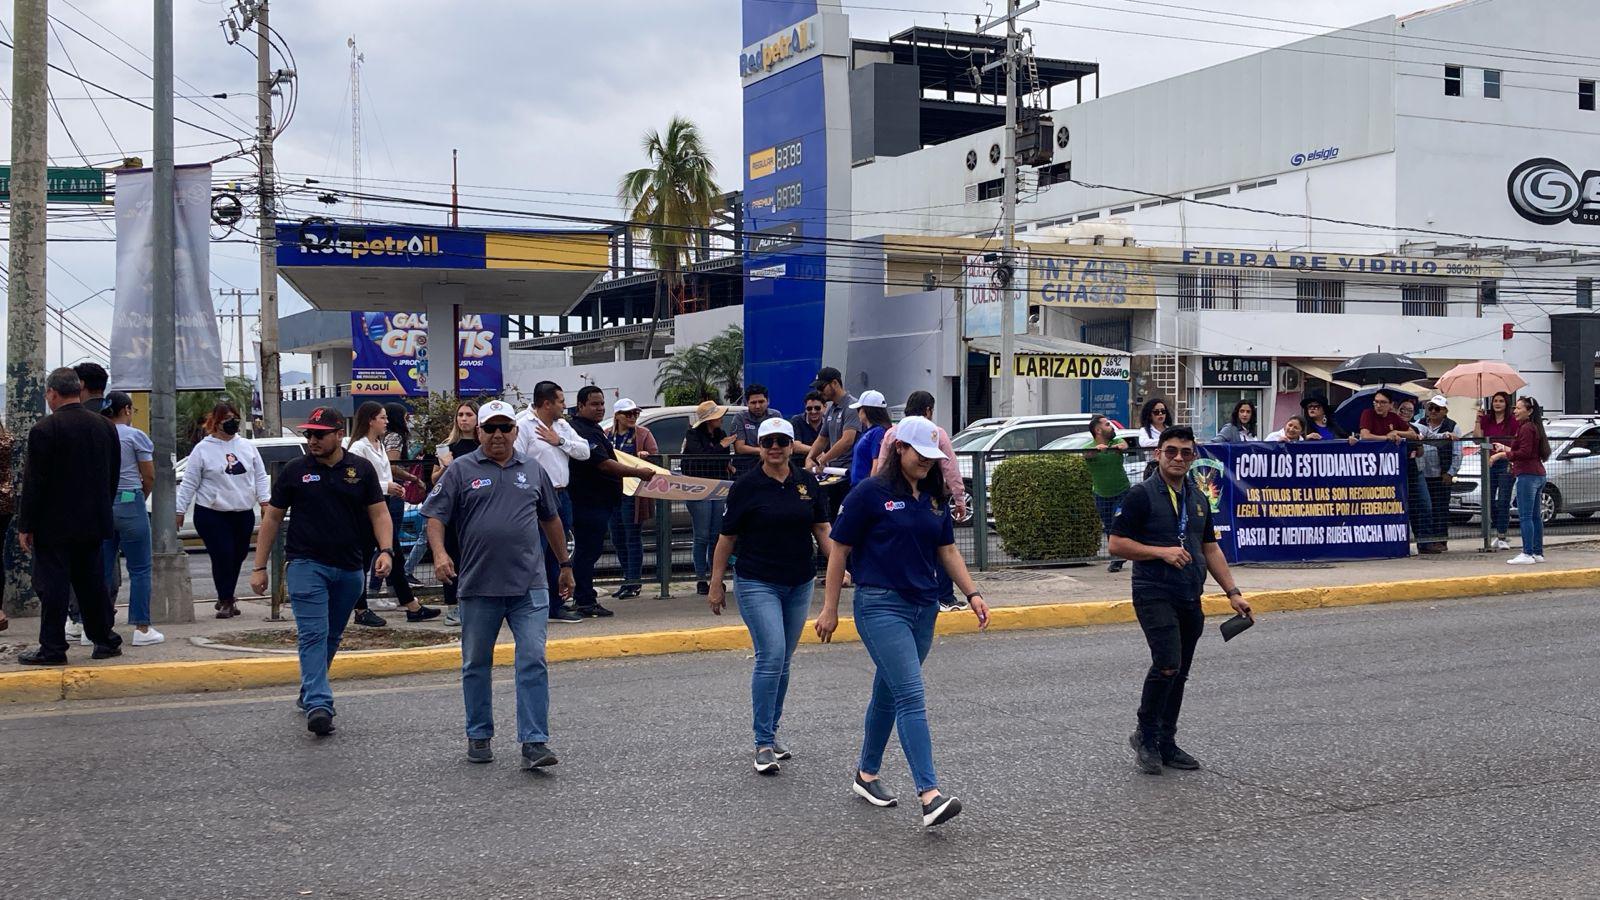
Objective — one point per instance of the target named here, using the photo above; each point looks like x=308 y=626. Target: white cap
x=775 y=425
x=1439 y=400
x=623 y=406
x=496 y=409
x=870 y=398
x=921 y=434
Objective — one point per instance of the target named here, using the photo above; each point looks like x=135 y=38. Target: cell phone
x=1235 y=626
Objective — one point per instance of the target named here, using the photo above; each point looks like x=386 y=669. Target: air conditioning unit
x=1290 y=380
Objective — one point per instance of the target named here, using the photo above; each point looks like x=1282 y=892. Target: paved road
x=1415 y=750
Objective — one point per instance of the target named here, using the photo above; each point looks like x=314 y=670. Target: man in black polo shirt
x=1164 y=527
x=596 y=491
x=338 y=507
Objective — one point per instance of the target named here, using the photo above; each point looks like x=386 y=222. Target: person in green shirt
x=1110 y=480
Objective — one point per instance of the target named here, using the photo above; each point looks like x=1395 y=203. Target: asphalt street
x=1414 y=750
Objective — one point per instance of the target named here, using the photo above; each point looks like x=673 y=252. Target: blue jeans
x=625 y=536
x=775 y=615
x=898 y=634
x=418 y=550
x=706 y=517
x=589 y=526
x=552 y=568
x=1529 y=521
x=1500 y=486
x=132 y=537
x=322 y=598
x=529 y=619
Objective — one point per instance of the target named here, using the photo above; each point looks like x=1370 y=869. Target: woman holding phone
x=896 y=530
x=1526 y=454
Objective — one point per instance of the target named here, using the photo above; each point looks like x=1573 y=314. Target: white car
x=996 y=437
x=272 y=450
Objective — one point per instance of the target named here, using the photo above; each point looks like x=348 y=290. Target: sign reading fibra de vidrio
x=389 y=355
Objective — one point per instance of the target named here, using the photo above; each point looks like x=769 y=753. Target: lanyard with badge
x=1181 y=506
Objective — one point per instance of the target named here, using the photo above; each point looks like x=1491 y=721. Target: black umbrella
x=1380 y=368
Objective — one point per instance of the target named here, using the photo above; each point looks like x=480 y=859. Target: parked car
x=1133 y=463
x=998 y=436
x=1573 y=471
x=272 y=450
x=669 y=424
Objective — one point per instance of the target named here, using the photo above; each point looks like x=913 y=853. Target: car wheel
x=963 y=515
x=1549 y=505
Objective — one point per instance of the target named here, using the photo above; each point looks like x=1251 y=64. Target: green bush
x=1044 y=508
x=683 y=395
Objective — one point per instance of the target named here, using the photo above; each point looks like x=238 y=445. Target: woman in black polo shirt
x=896 y=529
x=772 y=514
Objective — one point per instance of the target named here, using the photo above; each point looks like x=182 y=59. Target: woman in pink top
x=920 y=403
x=1527 y=454
x=1498 y=425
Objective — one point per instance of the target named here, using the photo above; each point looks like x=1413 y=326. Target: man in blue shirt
x=498 y=501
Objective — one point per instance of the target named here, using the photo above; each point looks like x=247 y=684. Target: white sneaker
x=146 y=638
x=381 y=604
x=83 y=640
x=74 y=630
x=1538 y=557
x=1500 y=544
x=1522 y=559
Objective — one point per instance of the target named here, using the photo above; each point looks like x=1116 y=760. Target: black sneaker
x=1116 y=565
x=479 y=751
x=320 y=722
x=1149 y=758
x=38 y=657
x=595 y=612
x=1173 y=757
x=537 y=756
x=629 y=592
x=873 y=792
x=947 y=604
x=567 y=615
x=413 y=581
x=105 y=652
x=369 y=618
x=703 y=588
x=939 y=810
x=423 y=614
x=766 y=761
x=779 y=750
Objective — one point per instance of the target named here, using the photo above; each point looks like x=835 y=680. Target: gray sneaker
x=479 y=751
x=452 y=616
x=766 y=761
x=779 y=751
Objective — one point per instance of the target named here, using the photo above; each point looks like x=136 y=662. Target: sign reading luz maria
x=1236 y=371
x=1306 y=501
x=1063 y=365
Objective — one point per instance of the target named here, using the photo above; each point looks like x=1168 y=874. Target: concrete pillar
x=442 y=303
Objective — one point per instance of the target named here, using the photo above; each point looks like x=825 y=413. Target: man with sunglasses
x=1164 y=527
x=807 y=425
x=338 y=507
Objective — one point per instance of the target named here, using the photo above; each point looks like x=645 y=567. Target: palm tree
x=705 y=371
x=670 y=201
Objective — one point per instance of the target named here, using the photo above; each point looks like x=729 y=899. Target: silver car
x=1573 y=472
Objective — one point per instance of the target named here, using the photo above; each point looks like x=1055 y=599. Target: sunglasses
x=776 y=440
x=318 y=435
x=813 y=409
x=1158 y=412
x=497 y=427
x=1178 y=452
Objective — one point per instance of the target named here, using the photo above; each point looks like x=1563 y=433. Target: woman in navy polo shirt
x=772 y=514
x=896 y=529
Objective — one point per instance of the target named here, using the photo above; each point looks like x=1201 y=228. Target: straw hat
x=705 y=412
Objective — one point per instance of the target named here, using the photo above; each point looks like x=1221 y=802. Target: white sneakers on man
x=74 y=630
x=1523 y=559
x=146 y=638
x=383 y=604
x=1500 y=544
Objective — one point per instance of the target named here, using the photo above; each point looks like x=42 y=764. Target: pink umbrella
x=1480 y=379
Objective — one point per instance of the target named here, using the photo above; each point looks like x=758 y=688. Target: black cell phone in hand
x=1235 y=627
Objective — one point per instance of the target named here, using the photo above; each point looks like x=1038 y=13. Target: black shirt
x=330 y=523
x=703 y=454
x=773 y=522
x=70 y=476
x=803 y=432
x=463 y=447
x=1147 y=515
x=586 y=484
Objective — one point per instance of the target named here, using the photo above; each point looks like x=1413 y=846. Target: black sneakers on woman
x=873 y=792
x=421 y=614
x=939 y=810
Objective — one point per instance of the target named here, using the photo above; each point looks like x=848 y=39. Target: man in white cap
x=1440 y=462
x=498 y=501
x=628 y=436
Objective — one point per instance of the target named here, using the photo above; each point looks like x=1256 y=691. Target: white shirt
x=554 y=460
x=375 y=454
x=225 y=474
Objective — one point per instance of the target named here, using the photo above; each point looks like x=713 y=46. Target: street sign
x=64 y=185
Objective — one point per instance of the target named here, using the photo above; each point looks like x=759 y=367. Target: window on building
x=1491 y=84
x=1586 y=95
x=1117 y=211
x=1585 y=293
x=1087 y=216
x=992 y=189
x=1055 y=174
x=1252 y=185
x=1318 y=295
x=1205 y=195
x=1208 y=290
x=1423 y=300
x=1489 y=292
x=1151 y=205
x=1452 y=81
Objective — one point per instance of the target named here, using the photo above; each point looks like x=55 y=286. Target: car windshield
x=974 y=438
x=1553 y=432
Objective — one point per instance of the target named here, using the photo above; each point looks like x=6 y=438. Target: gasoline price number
x=787 y=197
x=786 y=156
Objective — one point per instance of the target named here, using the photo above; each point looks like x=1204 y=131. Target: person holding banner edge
x=1164 y=526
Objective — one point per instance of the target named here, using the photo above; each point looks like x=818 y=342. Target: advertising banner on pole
x=1311 y=500
x=389 y=355
x=199 y=348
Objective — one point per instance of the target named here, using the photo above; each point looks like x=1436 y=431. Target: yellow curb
x=198 y=676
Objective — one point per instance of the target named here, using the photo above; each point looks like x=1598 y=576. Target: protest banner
x=1310 y=500
x=667 y=485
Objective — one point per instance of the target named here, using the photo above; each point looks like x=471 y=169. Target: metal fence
x=1568 y=506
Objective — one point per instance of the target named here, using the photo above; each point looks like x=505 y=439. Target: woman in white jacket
x=226 y=480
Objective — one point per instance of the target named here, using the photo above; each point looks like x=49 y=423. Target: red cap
x=324 y=418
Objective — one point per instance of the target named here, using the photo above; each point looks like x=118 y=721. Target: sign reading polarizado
x=390 y=352
x=1064 y=365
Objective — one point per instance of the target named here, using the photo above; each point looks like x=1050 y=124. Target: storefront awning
x=1041 y=356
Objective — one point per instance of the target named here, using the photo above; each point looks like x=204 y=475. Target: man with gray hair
x=64 y=516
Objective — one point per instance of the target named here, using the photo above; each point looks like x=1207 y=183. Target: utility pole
x=25 y=316
x=1008 y=206
x=239 y=315
x=266 y=79
x=172 y=599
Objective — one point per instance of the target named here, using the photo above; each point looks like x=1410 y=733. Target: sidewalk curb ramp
x=138 y=679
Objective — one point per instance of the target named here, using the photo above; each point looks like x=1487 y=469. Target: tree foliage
x=1044 y=508
x=713 y=370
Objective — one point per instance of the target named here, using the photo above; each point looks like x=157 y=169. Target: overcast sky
x=545 y=99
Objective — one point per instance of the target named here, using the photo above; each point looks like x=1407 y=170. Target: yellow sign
x=1098 y=282
x=1063 y=365
x=763 y=163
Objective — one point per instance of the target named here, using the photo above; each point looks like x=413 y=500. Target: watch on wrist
x=566 y=564
x=1235 y=592
x=388 y=550
x=974 y=594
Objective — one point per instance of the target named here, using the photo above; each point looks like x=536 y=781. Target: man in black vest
x=65 y=514
x=1164 y=527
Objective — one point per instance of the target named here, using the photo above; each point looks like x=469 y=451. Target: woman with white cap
x=773 y=513
x=873 y=411
x=628 y=436
x=896 y=530
x=705 y=455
